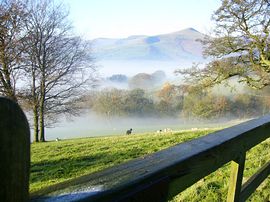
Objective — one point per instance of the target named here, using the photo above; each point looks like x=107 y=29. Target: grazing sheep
x=129 y=131
x=167 y=131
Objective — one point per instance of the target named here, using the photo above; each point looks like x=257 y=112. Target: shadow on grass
x=53 y=170
x=63 y=168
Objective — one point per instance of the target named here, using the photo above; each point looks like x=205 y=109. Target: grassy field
x=54 y=162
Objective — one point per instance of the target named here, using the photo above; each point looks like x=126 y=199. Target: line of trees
x=183 y=101
x=43 y=65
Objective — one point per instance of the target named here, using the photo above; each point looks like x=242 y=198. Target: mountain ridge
x=174 y=46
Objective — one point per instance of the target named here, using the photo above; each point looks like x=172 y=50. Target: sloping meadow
x=57 y=161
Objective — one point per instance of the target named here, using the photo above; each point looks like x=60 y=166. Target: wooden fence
x=156 y=177
x=14 y=152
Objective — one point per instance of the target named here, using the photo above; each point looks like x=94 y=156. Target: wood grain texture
x=14 y=152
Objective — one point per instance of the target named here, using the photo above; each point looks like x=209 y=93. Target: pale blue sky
x=122 y=18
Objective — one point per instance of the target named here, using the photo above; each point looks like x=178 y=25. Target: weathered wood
x=236 y=178
x=217 y=149
x=14 y=152
x=182 y=165
x=251 y=185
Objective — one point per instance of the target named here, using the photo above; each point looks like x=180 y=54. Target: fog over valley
x=147 y=54
x=89 y=124
x=137 y=88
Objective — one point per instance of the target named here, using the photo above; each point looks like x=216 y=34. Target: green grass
x=54 y=162
x=215 y=186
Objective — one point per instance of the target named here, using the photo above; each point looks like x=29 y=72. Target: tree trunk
x=41 y=110
x=35 y=106
x=5 y=80
x=41 y=122
x=36 y=129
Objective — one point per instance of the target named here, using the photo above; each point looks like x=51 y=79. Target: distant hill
x=176 y=46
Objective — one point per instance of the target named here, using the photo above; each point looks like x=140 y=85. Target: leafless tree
x=11 y=34
x=57 y=64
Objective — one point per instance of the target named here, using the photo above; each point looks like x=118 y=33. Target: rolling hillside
x=181 y=45
x=147 y=54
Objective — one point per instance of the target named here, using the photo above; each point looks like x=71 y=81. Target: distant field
x=54 y=162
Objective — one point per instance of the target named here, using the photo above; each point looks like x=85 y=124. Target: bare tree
x=58 y=64
x=240 y=45
x=11 y=34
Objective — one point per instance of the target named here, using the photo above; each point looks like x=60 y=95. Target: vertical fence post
x=14 y=152
x=235 y=184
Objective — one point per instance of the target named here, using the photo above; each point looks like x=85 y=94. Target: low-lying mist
x=90 y=124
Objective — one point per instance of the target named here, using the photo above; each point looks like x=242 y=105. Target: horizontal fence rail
x=162 y=175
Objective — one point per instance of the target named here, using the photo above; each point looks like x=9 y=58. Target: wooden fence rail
x=162 y=175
